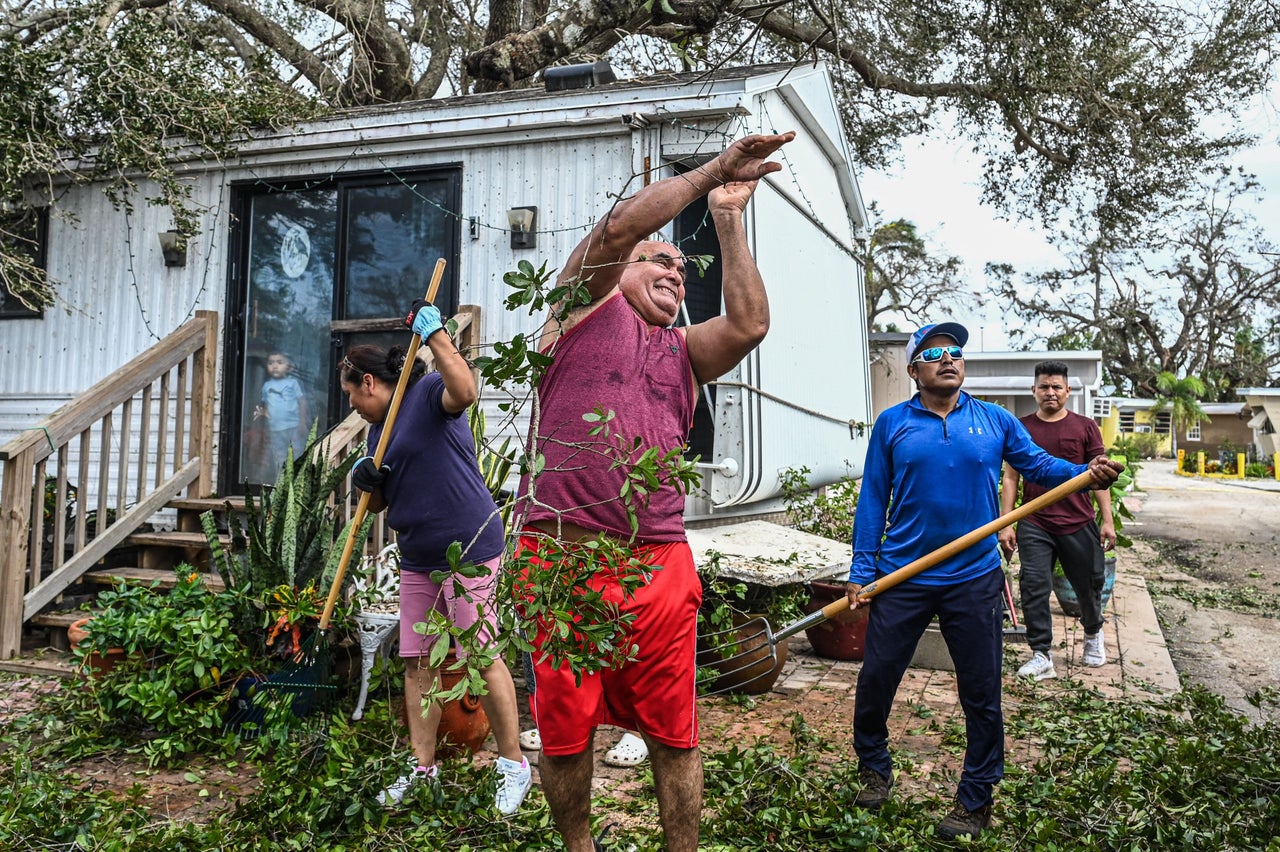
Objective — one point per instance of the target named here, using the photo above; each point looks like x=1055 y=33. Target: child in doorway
x=284 y=405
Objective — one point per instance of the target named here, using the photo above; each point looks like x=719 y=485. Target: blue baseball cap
x=954 y=330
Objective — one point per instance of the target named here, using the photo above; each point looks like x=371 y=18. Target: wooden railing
x=346 y=436
x=78 y=484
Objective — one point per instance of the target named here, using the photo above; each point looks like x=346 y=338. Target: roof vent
x=583 y=76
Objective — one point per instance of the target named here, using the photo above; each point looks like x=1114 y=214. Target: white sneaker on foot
x=531 y=740
x=1095 y=650
x=1039 y=667
x=395 y=794
x=514 y=781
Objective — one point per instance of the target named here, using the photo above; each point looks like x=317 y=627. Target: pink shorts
x=463 y=607
x=656 y=693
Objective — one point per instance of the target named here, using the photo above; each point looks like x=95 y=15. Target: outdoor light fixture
x=174 y=248
x=523 y=220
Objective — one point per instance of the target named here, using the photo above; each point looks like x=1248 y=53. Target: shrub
x=827 y=512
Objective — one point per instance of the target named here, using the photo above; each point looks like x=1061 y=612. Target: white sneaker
x=1039 y=667
x=1095 y=650
x=514 y=781
x=395 y=794
x=531 y=740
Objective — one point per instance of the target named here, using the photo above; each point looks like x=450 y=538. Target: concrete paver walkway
x=1139 y=665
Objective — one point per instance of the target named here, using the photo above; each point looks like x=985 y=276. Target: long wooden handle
x=362 y=508
x=906 y=572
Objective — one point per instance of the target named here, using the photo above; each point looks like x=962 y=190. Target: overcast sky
x=936 y=186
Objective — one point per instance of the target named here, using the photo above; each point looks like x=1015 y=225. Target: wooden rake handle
x=362 y=508
x=906 y=572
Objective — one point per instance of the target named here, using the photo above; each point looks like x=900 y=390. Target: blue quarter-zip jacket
x=928 y=480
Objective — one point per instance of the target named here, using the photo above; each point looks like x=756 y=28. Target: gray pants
x=1082 y=562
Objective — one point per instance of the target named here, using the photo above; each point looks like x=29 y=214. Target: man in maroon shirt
x=619 y=353
x=1065 y=532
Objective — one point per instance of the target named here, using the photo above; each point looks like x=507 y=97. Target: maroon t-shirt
x=614 y=361
x=1077 y=439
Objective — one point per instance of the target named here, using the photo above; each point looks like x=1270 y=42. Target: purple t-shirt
x=617 y=362
x=435 y=494
x=1077 y=439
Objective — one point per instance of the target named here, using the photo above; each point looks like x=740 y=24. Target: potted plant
x=842 y=637
x=729 y=629
x=286 y=552
x=828 y=513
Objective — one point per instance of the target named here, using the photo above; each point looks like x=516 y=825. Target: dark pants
x=1083 y=564
x=971 y=616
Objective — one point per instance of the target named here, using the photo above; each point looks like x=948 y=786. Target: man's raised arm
x=598 y=260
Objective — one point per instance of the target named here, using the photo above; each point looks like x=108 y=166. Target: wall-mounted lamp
x=174 y=248
x=523 y=220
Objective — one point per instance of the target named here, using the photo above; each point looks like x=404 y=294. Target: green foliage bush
x=827 y=512
x=1185 y=773
x=1144 y=445
x=184 y=658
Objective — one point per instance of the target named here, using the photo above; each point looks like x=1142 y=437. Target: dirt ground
x=1211 y=541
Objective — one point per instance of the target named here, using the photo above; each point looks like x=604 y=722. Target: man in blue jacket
x=932 y=475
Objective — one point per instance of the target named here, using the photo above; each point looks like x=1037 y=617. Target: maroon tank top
x=614 y=361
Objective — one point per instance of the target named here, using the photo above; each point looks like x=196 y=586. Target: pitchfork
x=744 y=654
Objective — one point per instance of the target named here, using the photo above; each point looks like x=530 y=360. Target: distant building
x=1005 y=378
x=1264 y=414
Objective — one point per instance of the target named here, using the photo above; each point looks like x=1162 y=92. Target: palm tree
x=1181 y=397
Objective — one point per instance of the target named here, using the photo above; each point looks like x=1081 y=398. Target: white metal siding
x=570 y=156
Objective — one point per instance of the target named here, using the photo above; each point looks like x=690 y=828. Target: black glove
x=366 y=476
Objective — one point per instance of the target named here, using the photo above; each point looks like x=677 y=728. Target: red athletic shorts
x=656 y=693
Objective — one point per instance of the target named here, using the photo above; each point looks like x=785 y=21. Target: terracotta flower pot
x=843 y=637
x=464 y=726
x=96 y=664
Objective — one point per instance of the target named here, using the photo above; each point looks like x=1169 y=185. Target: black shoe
x=962 y=821
x=875 y=791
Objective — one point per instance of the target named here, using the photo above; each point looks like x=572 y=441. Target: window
x=1164 y=423
x=1193 y=432
x=24 y=234
x=1101 y=408
x=323 y=265
x=1126 y=421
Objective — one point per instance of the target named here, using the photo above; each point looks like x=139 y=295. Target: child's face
x=277 y=366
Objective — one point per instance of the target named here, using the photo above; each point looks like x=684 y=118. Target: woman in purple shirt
x=431 y=486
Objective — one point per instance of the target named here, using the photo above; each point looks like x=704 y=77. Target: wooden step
x=45 y=662
x=167 y=579
x=177 y=539
x=205 y=504
x=60 y=617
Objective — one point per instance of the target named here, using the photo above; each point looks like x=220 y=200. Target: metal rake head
x=280 y=702
x=737 y=658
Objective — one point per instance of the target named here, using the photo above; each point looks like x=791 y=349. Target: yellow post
x=1239 y=465
x=1182 y=455
x=1275 y=465
x=1200 y=462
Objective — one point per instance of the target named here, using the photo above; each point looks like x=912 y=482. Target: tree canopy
x=1181 y=398
x=1104 y=106
x=1201 y=297
x=906 y=278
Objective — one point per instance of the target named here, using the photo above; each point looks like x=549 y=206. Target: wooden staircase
x=136 y=443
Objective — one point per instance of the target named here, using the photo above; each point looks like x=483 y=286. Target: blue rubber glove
x=424 y=319
x=366 y=476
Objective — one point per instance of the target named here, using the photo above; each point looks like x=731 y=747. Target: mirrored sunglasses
x=935 y=353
